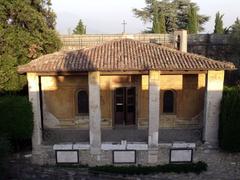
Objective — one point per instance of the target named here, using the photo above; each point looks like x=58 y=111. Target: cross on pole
x=124 y=26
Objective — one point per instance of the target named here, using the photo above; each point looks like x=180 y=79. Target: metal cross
x=124 y=26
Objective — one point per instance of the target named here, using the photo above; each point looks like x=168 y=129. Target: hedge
x=142 y=170
x=16 y=120
x=5 y=149
x=229 y=123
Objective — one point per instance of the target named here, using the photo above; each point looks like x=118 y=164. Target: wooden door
x=130 y=106
x=125 y=106
x=119 y=106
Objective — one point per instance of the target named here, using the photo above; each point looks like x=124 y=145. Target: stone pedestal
x=213 y=96
x=94 y=112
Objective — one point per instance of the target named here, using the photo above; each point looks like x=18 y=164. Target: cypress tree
x=155 y=25
x=162 y=26
x=218 y=28
x=235 y=39
x=192 y=25
x=159 y=25
x=80 y=28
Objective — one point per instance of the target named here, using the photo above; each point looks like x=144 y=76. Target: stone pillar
x=94 y=112
x=34 y=98
x=181 y=36
x=213 y=96
x=154 y=113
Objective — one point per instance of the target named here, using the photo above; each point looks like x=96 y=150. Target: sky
x=106 y=16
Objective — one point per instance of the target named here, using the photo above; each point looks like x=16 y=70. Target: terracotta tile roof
x=123 y=55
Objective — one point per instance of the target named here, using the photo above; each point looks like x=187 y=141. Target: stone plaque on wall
x=67 y=157
x=124 y=157
x=181 y=155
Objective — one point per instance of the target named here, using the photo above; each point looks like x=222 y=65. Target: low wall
x=46 y=154
x=72 y=42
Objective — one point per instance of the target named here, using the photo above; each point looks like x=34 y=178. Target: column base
x=95 y=151
x=153 y=156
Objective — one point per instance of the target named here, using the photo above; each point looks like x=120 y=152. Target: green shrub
x=131 y=170
x=5 y=150
x=229 y=123
x=16 y=120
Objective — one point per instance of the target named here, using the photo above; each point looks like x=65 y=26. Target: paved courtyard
x=54 y=136
x=222 y=166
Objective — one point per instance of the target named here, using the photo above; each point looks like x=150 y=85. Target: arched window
x=82 y=102
x=168 y=102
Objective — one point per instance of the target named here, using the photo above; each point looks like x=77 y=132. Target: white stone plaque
x=181 y=155
x=121 y=157
x=67 y=157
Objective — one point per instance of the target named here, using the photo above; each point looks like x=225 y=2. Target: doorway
x=125 y=106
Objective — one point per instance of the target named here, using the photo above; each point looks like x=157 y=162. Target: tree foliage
x=155 y=24
x=218 y=28
x=192 y=25
x=175 y=13
x=26 y=32
x=80 y=28
x=158 y=25
x=162 y=26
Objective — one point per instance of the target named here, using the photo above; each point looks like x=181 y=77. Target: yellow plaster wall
x=59 y=94
x=189 y=100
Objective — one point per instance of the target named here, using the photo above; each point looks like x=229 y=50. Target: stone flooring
x=54 y=136
x=222 y=166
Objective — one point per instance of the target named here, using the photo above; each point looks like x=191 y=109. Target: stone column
x=94 y=112
x=213 y=96
x=34 y=98
x=154 y=113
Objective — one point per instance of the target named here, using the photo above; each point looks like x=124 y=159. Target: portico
x=124 y=95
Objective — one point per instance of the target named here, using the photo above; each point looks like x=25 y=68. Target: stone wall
x=209 y=45
x=73 y=42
